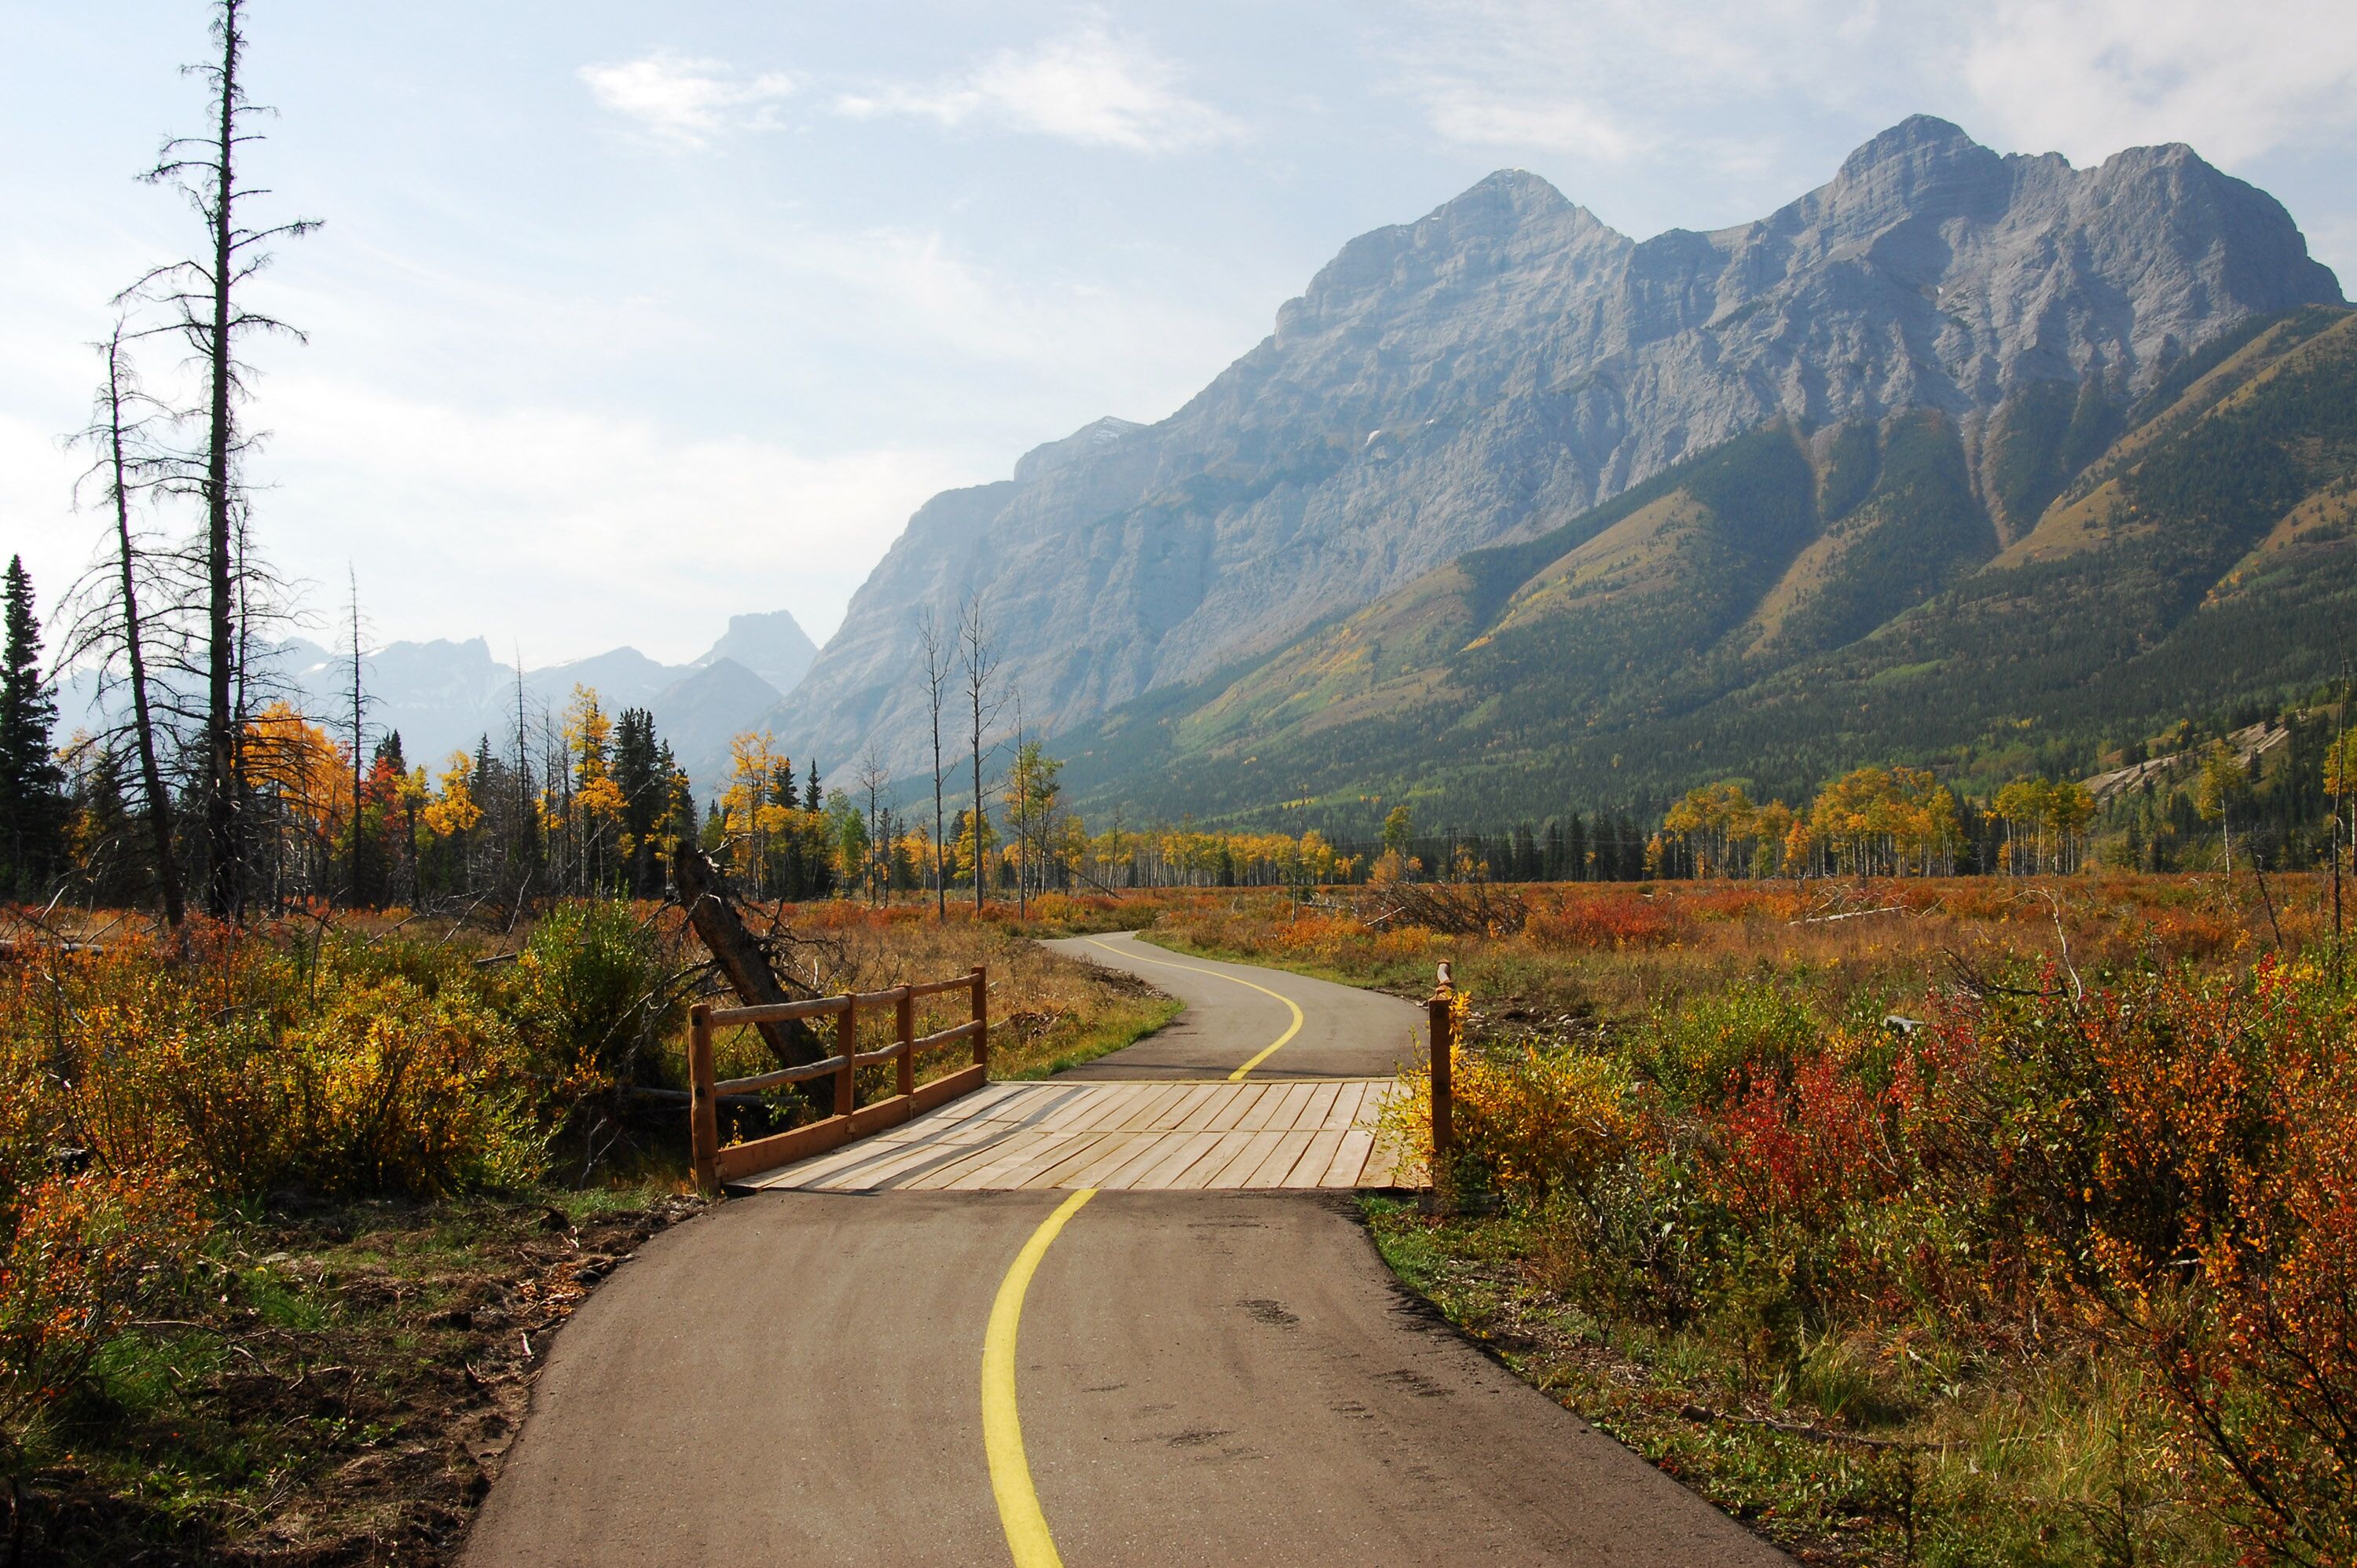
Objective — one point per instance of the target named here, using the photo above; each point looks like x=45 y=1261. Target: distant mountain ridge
x=1499 y=366
x=442 y=697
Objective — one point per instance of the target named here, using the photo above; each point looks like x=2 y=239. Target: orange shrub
x=1608 y=920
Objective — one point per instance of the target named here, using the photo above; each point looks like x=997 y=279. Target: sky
x=624 y=318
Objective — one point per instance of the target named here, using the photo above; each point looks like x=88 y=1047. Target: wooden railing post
x=981 y=1016
x=905 y=1016
x=846 y=1046
x=1441 y=1013
x=703 y=1110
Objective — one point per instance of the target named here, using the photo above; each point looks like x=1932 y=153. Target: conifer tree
x=32 y=785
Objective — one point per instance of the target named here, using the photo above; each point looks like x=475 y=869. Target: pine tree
x=32 y=785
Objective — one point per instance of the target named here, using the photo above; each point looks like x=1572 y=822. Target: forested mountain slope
x=1793 y=603
x=1496 y=368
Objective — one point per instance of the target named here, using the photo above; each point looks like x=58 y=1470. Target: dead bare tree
x=937 y=685
x=980 y=664
x=203 y=295
x=873 y=780
x=360 y=713
x=112 y=618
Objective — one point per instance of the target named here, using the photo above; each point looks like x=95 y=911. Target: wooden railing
x=716 y=1165
x=1440 y=1014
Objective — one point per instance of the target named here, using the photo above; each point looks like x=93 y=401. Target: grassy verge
x=1119 y=1024
x=2062 y=1467
x=337 y=1384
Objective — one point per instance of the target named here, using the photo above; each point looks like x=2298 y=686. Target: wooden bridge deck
x=1113 y=1135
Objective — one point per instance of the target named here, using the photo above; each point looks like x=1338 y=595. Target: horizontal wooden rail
x=950 y=1036
x=780 y=1012
x=761 y=1081
x=716 y=1165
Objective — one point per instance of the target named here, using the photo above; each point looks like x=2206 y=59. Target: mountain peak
x=770 y=644
x=1918 y=139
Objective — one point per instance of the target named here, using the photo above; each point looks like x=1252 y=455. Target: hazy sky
x=627 y=316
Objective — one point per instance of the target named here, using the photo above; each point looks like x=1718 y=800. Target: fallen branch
x=1850 y=915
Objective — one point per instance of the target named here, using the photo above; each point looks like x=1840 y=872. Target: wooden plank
x=1145 y=1150
x=1225 y=1149
x=979 y=1136
x=881 y=1163
x=1271 y=1096
x=1174 y=1111
x=1089 y=1113
x=966 y=1165
x=1296 y=1097
x=1238 y=1161
x=1101 y=1106
x=1119 y=1148
x=1064 y=1172
x=1207 y=1108
x=1155 y=1102
x=1349 y=1159
x=1383 y=1166
x=1313 y=1115
x=1052 y=1150
x=1309 y=1170
x=1130 y=1110
x=1344 y=1112
x=1290 y=1147
x=1014 y=1157
x=1004 y=1157
x=1234 y=1107
x=950 y=1086
x=1174 y=1155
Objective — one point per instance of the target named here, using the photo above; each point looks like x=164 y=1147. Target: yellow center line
x=1002 y=1429
x=1291 y=1029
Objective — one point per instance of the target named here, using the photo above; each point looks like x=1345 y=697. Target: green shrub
x=594 y=997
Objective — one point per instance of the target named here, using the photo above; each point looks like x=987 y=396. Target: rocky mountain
x=773 y=646
x=1494 y=370
x=1793 y=603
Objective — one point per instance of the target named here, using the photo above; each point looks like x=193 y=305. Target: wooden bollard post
x=981 y=1016
x=846 y=1046
x=905 y=1015
x=702 y=1112
x=1440 y=1012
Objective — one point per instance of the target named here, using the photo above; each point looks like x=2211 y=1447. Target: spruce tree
x=32 y=785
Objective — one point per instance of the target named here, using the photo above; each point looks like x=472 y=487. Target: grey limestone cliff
x=1508 y=360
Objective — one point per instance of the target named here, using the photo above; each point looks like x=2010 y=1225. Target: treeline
x=577 y=802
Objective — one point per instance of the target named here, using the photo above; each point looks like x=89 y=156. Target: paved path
x=898 y=1377
x=1236 y=1014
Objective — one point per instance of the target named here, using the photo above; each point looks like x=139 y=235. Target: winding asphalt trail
x=1042 y=1378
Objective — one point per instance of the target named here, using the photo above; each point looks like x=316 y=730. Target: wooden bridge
x=960 y=1132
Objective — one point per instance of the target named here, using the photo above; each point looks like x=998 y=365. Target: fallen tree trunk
x=745 y=960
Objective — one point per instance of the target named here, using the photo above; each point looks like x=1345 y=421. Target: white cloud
x=575 y=530
x=1462 y=113
x=685 y=102
x=2090 y=77
x=1629 y=83
x=1089 y=88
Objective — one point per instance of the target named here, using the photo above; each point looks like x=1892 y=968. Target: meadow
x=289 y=1213
x=1955 y=1221
x=1925 y=1221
